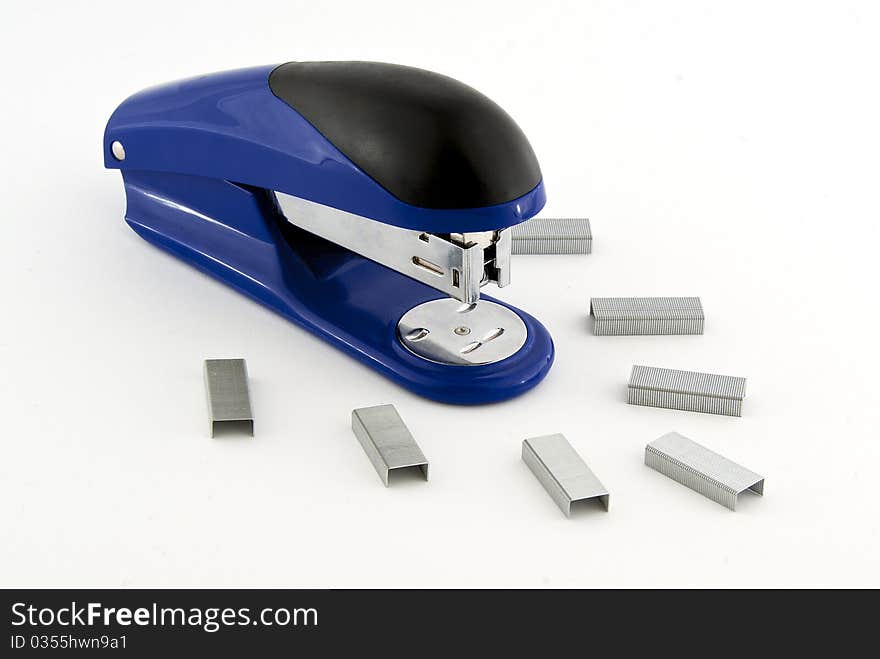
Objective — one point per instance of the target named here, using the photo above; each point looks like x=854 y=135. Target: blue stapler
x=366 y=202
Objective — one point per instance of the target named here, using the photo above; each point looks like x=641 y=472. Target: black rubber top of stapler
x=429 y=140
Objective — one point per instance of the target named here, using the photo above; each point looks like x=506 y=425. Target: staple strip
x=229 y=400
x=546 y=235
x=387 y=441
x=689 y=477
x=702 y=470
x=627 y=316
x=563 y=473
x=686 y=390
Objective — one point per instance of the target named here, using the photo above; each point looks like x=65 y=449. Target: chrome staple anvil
x=366 y=202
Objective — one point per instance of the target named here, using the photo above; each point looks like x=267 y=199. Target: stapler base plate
x=447 y=331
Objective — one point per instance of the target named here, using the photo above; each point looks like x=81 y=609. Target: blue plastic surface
x=236 y=233
x=230 y=126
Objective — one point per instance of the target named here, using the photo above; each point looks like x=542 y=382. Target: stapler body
x=368 y=203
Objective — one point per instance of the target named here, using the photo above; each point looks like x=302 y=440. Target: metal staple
x=686 y=390
x=702 y=470
x=563 y=472
x=623 y=316
x=387 y=442
x=229 y=400
x=546 y=235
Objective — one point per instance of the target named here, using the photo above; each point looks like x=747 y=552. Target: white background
x=728 y=150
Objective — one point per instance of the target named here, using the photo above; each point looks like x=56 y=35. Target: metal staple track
x=547 y=235
x=686 y=390
x=626 y=316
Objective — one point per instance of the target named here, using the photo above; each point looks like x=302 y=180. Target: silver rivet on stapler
x=449 y=332
x=118 y=150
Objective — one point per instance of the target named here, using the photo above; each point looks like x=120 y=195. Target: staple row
x=626 y=316
x=686 y=390
x=545 y=235
x=702 y=470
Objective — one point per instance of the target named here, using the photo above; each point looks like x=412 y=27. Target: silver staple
x=387 y=441
x=547 y=235
x=229 y=399
x=686 y=390
x=702 y=470
x=624 y=316
x=563 y=473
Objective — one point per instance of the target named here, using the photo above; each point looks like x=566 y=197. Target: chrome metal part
x=702 y=470
x=117 y=150
x=620 y=316
x=450 y=332
x=229 y=400
x=562 y=472
x=456 y=264
x=549 y=235
x=686 y=390
x=387 y=441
